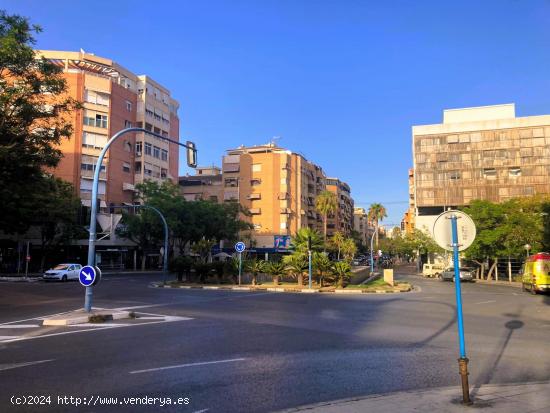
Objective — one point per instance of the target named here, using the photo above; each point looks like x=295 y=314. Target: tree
x=276 y=269
x=33 y=121
x=377 y=212
x=349 y=249
x=296 y=266
x=321 y=265
x=338 y=240
x=545 y=210
x=299 y=242
x=255 y=266
x=326 y=204
x=203 y=247
x=56 y=215
x=341 y=271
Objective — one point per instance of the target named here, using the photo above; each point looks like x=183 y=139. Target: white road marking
x=97 y=325
x=201 y=411
x=487 y=302
x=149 y=318
x=20 y=326
x=6 y=338
x=17 y=365
x=37 y=318
x=204 y=363
x=13 y=339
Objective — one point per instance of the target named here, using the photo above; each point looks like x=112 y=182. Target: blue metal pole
x=240 y=266
x=309 y=254
x=371 y=255
x=458 y=291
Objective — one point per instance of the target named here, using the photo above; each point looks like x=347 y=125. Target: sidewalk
x=507 y=398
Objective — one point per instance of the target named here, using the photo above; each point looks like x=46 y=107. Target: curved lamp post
x=191 y=161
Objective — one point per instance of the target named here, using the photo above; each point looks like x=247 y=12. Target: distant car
x=466 y=274
x=63 y=272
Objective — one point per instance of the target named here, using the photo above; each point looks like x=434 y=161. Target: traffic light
x=191 y=154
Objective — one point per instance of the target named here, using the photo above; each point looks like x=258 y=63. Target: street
x=234 y=351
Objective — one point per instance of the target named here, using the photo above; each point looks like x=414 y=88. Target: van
x=536 y=273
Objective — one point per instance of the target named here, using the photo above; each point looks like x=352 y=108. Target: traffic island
x=83 y=317
x=376 y=287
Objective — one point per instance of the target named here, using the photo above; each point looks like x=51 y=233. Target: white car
x=63 y=272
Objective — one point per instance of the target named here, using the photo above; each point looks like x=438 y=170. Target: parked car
x=466 y=274
x=535 y=273
x=63 y=272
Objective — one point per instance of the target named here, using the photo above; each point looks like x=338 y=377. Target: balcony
x=286 y=211
x=128 y=187
x=254 y=196
x=255 y=211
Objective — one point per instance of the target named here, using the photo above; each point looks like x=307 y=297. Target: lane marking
x=201 y=411
x=38 y=318
x=20 y=326
x=13 y=339
x=17 y=365
x=487 y=302
x=203 y=363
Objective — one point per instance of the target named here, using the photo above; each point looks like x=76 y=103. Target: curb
x=286 y=290
x=84 y=318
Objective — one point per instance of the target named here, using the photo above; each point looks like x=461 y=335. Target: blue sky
x=342 y=82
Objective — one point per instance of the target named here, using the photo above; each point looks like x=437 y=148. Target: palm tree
x=377 y=212
x=338 y=240
x=255 y=266
x=321 y=265
x=349 y=248
x=296 y=265
x=341 y=270
x=300 y=240
x=326 y=203
x=276 y=270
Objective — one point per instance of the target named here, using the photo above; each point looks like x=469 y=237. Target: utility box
x=388 y=277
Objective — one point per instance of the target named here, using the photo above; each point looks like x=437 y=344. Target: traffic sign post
x=240 y=247
x=87 y=276
x=461 y=237
x=309 y=259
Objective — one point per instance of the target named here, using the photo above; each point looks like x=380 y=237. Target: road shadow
x=487 y=375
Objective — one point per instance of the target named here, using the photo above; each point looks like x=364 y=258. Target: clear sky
x=340 y=81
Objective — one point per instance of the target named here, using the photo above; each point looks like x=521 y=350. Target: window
x=163 y=173
x=164 y=155
x=490 y=173
x=93 y=140
x=255 y=182
x=137 y=167
x=454 y=175
x=148 y=127
x=452 y=139
x=514 y=172
x=139 y=148
x=90 y=167
x=97 y=98
x=127 y=146
x=126 y=167
x=127 y=124
x=97 y=120
x=156 y=152
x=257 y=167
x=128 y=106
x=148 y=148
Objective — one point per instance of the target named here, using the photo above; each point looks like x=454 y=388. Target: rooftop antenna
x=273 y=140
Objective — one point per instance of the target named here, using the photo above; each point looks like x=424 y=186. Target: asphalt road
x=263 y=351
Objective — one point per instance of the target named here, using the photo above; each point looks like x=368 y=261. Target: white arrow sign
x=87 y=276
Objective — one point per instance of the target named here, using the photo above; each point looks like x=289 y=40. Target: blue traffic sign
x=240 y=247
x=87 y=276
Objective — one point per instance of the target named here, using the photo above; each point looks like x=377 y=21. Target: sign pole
x=309 y=256
x=240 y=265
x=463 y=360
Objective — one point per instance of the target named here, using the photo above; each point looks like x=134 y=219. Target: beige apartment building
x=205 y=185
x=278 y=187
x=478 y=153
x=342 y=219
x=407 y=223
x=361 y=225
x=115 y=98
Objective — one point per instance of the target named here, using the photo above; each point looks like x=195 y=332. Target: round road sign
x=240 y=247
x=87 y=276
x=442 y=230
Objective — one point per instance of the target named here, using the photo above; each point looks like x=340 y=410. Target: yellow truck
x=536 y=273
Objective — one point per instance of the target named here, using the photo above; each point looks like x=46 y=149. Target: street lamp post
x=191 y=161
x=371 y=249
x=527 y=248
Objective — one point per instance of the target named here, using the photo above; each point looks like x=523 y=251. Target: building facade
x=205 y=185
x=113 y=99
x=277 y=186
x=361 y=225
x=478 y=153
x=407 y=223
x=342 y=219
